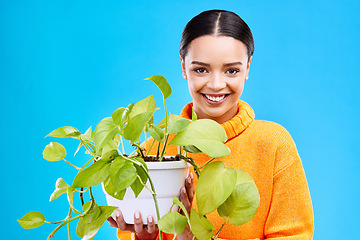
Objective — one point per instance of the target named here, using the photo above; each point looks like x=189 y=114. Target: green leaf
x=122 y=173
x=64 y=132
x=193 y=115
x=243 y=202
x=93 y=214
x=191 y=149
x=144 y=105
x=88 y=230
x=93 y=175
x=117 y=116
x=156 y=132
x=137 y=186
x=32 y=219
x=104 y=132
x=172 y=223
x=200 y=226
x=54 y=152
x=175 y=117
x=136 y=125
x=87 y=136
x=60 y=188
x=206 y=135
x=110 y=189
x=215 y=185
x=70 y=196
x=126 y=114
x=109 y=149
x=177 y=202
x=176 y=126
x=162 y=84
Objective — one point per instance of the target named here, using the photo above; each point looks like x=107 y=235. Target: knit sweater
x=267 y=152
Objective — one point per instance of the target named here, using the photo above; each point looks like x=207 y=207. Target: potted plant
x=125 y=176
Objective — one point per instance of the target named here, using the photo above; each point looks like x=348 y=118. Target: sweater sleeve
x=291 y=214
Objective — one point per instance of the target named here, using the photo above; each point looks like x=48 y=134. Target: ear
x=183 y=67
x=248 y=68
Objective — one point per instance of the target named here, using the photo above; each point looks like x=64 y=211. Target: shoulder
x=270 y=132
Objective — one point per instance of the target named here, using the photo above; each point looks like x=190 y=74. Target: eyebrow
x=226 y=64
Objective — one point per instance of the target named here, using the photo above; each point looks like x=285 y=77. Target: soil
x=167 y=159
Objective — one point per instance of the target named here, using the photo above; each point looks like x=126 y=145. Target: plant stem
x=218 y=232
x=145 y=140
x=61 y=225
x=192 y=162
x=207 y=162
x=122 y=145
x=82 y=197
x=71 y=164
x=81 y=191
x=163 y=151
x=88 y=162
x=68 y=225
x=154 y=197
x=152 y=143
x=93 y=148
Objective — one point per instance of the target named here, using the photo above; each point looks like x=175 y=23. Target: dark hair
x=217 y=23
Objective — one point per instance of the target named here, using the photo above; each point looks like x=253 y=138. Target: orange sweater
x=267 y=152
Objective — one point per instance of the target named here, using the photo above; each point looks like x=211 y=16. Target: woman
x=216 y=52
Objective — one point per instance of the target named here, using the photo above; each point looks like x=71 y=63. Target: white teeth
x=215 y=99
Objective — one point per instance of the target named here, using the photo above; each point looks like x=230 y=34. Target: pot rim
x=167 y=165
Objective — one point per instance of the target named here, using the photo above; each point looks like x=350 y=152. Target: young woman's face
x=216 y=68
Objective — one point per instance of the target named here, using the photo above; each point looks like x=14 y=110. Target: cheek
x=237 y=87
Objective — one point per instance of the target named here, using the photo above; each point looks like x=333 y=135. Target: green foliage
x=104 y=132
x=60 y=188
x=54 y=152
x=233 y=193
x=162 y=84
x=172 y=223
x=93 y=175
x=88 y=230
x=243 y=202
x=215 y=185
x=197 y=134
x=32 y=220
x=64 y=132
x=200 y=226
x=136 y=125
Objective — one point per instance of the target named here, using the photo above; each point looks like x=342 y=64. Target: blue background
x=74 y=62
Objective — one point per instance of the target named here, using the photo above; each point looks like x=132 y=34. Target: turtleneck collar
x=234 y=126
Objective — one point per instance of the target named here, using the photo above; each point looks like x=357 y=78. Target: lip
x=215 y=95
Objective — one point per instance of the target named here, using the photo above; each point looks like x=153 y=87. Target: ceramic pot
x=168 y=178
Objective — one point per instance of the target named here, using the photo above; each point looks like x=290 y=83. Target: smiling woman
x=216 y=53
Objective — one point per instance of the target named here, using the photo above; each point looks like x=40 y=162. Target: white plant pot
x=168 y=178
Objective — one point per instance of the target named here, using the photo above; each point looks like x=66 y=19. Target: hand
x=186 y=196
x=148 y=232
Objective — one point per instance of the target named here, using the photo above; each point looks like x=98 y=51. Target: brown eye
x=200 y=70
x=232 y=71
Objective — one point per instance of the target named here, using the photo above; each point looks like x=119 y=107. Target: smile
x=215 y=99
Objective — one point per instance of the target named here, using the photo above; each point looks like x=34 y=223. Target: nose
x=216 y=82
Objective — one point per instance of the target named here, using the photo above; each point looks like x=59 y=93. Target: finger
x=189 y=185
x=121 y=224
x=138 y=223
x=112 y=222
x=185 y=199
x=150 y=224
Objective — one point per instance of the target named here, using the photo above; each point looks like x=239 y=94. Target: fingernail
x=189 y=180
x=137 y=215
x=183 y=190
x=191 y=176
x=150 y=220
x=117 y=213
